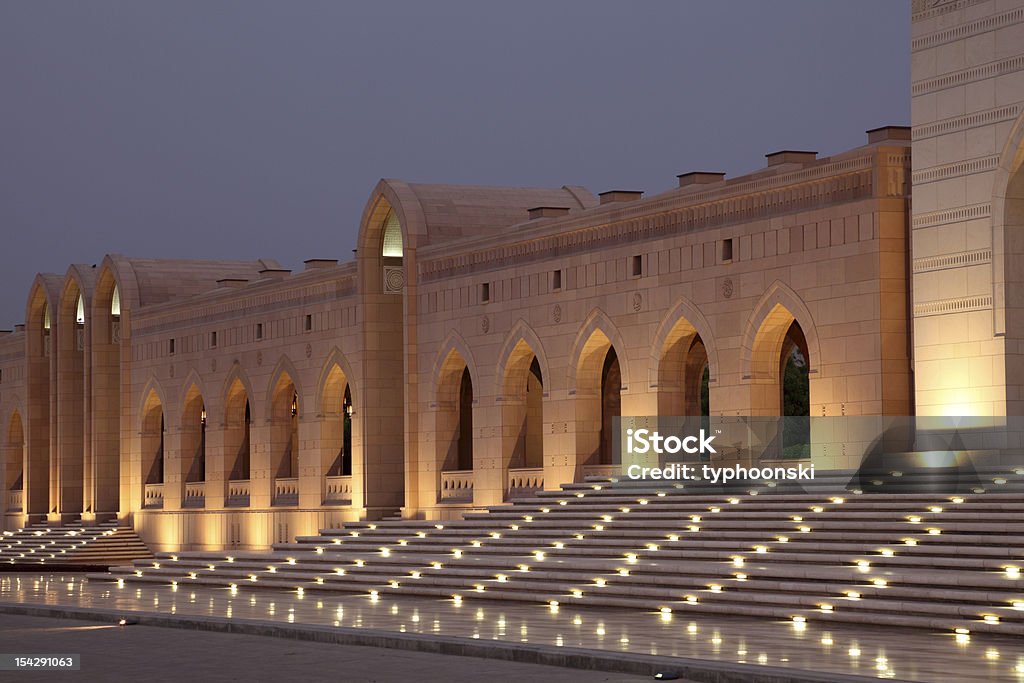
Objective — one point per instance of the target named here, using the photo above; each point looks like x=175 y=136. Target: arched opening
x=71 y=401
x=153 y=435
x=598 y=402
x=611 y=405
x=522 y=409
x=37 y=477
x=193 y=436
x=454 y=429
x=795 y=394
x=104 y=489
x=336 y=430
x=465 y=433
x=237 y=443
x=385 y=254
x=962 y=398
x=14 y=462
x=684 y=375
x=284 y=429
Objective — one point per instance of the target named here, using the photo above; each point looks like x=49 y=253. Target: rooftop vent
x=232 y=282
x=275 y=273
x=699 y=178
x=615 y=196
x=888 y=133
x=314 y=263
x=547 y=211
x=790 y=156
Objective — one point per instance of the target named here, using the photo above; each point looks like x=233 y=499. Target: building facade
x=482 y=340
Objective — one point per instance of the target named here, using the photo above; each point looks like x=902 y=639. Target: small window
x=556 y=280
x=727 y=250
x=259 y=330
x=309 y=322
x=213 y=340
x=485 y=292
x=170 y=346
x=115 y=303
x=1 y=376
x=80 y=311
x=638 y=266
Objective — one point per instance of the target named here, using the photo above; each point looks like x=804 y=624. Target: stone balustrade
x=457 y=486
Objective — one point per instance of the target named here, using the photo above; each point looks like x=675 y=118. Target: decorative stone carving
x=638 y=301
x=394 y=279
x=556 y=313
x=727 y=288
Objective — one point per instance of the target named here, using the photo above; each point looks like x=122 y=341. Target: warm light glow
x=538 y=555
x=715 y=588
x=853 y=595
x=934 y=531
x=631 y=558
x=1012 y=572
x=760 y=549
x=577 y=593
x=817 y=508
x=880 y=583
x=691 y=599
x=863 y=565
x=957 y=500
x=625 y=572
x=799 y=619
x=457 y=553
x=990 y=619
x=914 y=519
x=600 y=583
x=910 y=541
x=886 y=552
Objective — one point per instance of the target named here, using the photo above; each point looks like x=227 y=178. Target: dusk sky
x=257 y=129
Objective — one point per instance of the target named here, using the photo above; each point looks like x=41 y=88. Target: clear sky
x=256 y=129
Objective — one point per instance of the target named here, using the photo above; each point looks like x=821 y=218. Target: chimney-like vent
x=790 y=156
x=700 y=178
x=275 y=273
x=888 y=133
x=232 y=282
x=314 y=263
x=547 y=211
x=615 y=196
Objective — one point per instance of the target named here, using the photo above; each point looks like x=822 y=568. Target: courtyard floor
x=600 y=639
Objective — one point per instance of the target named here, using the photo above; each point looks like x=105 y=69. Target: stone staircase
x=72 y=544
x=930 y=560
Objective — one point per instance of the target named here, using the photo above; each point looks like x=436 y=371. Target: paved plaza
x=111 y=652
x=516 y=631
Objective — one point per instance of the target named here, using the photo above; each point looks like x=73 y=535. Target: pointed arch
x=684 y=314
x=513 y=352
x=766 y=329
x=192 y=379
x=444 y=361
x=284 y=367
x=192 y=425
x=238 y=378
x=597 y=334
x=152 y=388
x=336 y=360
x=106 y=370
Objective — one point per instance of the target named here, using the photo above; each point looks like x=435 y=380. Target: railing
x=606 y=471
x=338 y=490
x=286 y=491
x=195 y=495
x=15 y=500
x=238 y=493
x=524 y=481
x=154 y=496
x=457 y=487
